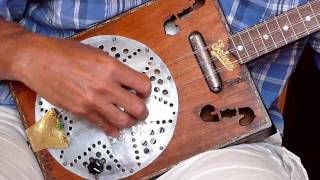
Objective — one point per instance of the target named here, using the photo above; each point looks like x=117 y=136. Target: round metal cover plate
x=137 y=146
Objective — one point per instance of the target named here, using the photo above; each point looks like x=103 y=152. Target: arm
x=74 y=77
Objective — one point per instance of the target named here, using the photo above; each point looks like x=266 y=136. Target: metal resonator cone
x=94 y=155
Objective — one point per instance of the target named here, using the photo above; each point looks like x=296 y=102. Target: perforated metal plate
x=137 y=146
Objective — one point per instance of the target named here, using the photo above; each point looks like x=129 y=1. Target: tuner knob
x=96 y=165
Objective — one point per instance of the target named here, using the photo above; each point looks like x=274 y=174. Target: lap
x=246 y=161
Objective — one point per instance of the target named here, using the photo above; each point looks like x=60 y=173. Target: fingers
x=103 y=124
x=132 y=104
x=135 y=80
x=116 y=117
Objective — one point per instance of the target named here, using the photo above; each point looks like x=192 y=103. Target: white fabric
x=16 y=158
x=257 y=161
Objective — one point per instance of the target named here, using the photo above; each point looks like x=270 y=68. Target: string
x=249 y=55
x=206 y=76
x=254 y=40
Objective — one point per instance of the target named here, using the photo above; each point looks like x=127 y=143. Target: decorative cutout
x=228 y=113
x=208 y=114
x=170 y=26
x=248 y=116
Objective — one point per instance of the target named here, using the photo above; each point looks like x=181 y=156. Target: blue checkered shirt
x=63 y=18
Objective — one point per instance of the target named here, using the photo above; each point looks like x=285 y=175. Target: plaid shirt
x=63 y=18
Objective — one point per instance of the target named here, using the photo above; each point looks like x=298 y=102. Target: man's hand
x=77 y=78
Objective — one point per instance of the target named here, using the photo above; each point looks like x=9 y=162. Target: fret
x=280 y=29
x=238 y=46
x=291 y=26
x=276 y=32
x=260 y=38
x=266 y=37
x=253 y=42
x=244 y=44
x=313 y=14
x=315 y=8
x=309 y=18
x=271 y=35
x=248 y=44
x=297 y=23
x=286 y=28
x=302 y=20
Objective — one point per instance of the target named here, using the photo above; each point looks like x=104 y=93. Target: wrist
x=16 y=52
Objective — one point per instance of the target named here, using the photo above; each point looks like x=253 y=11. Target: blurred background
x=301 y=110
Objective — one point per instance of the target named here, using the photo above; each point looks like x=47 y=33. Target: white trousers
x=258 y=161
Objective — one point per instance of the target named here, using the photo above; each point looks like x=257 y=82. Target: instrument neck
x=276 y=32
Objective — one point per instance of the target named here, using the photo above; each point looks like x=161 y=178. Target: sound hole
x=207 y=115
x=228 y=113
x=248 y=116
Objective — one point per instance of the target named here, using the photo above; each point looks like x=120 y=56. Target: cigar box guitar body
x=202 y=97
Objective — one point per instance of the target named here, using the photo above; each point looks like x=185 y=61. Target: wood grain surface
x=192 y=134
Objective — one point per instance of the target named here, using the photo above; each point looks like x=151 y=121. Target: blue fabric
x=63 y=18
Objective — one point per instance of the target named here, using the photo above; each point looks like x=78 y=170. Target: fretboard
x=276 y=32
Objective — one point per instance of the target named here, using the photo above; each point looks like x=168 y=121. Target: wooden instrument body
x=192 y=134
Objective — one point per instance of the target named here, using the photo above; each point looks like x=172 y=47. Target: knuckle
x=124 y=121
x=111 y=69
x=140 y=110
x=89 y=100
x=147 y=87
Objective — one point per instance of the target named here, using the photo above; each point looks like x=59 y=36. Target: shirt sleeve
x=11 y=10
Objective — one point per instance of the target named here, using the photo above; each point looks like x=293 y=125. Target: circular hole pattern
x=161 y=130
x=153 y=141
x=113 y=49
x=125 y=51
x=165 y=92
x=151 y=132
x=144 y=143
x=108 y=167
x=146 y=150
x=156 y=89
x=152 y=78
x=157 y=71
x=160 y=81
x=98 y=154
